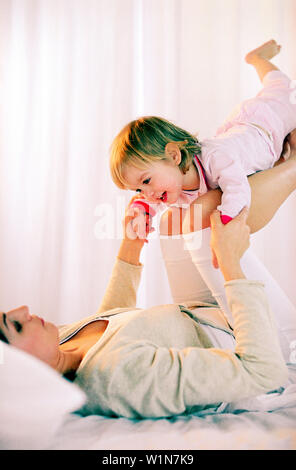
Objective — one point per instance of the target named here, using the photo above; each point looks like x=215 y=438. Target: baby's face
x=160 y=181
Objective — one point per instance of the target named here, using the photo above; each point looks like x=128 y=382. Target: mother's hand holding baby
x=229 y=242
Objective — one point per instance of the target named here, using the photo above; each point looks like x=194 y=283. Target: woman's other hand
x=228 y=243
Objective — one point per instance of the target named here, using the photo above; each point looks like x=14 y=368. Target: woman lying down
x=162 y=361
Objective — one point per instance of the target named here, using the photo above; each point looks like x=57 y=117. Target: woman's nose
x=20 y=313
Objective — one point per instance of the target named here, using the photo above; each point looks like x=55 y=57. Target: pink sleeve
x=230 y=176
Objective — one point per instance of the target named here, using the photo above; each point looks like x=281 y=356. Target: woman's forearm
x=130 y=251
x=123 y=284
x=126 y=274
x=121 y=291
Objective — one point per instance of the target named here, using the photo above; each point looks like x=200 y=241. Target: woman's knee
x=197 y=217
x=171 y=222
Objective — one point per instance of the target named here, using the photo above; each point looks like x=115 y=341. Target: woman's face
x=31 y=333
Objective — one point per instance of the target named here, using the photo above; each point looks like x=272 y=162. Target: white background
x=73 y=73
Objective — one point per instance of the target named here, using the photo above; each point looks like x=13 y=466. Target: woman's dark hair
x=70 y=375
x=3 y=337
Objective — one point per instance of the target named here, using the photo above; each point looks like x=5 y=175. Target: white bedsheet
x=37 y=404
x=244 y=430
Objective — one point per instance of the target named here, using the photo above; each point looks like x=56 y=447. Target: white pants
x=191 y=276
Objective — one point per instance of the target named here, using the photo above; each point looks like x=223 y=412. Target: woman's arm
x=122 y=288
x=154 y=381
x=196 y=376
x=130 y=251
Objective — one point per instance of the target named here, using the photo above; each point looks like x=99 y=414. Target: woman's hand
x=136 y=227
x=137 y=222
x=228 y=243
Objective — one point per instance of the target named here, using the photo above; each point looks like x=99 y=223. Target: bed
x=227 y=431
x=37 y=411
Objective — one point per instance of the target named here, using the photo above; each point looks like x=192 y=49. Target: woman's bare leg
x=265 y=201
x=270 y=188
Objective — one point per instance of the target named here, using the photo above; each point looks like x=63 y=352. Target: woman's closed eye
x=18 y=327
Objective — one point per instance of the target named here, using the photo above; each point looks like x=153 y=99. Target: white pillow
x=34 y=400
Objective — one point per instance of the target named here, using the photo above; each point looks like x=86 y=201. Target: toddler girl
x=168 y=165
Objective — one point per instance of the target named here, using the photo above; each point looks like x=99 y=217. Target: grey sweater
x=159 y=362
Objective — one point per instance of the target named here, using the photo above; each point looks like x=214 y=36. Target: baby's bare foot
x=285 y=155
x=289 y=148
x=267 y=51
x=291 y=139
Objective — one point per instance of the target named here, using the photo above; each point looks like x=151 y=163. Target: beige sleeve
x=122 y=288
x=256 y=335
x=152 y=381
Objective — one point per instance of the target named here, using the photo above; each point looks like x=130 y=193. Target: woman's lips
x=42 y=321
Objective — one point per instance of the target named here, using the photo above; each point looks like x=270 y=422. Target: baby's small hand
x=144 y=205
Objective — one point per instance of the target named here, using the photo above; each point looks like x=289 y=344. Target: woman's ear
x=173 y=152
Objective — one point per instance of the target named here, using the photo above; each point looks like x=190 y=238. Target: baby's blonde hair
x=143 y=141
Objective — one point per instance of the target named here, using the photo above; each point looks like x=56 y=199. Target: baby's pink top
x=249 y=140
x=229 y=157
